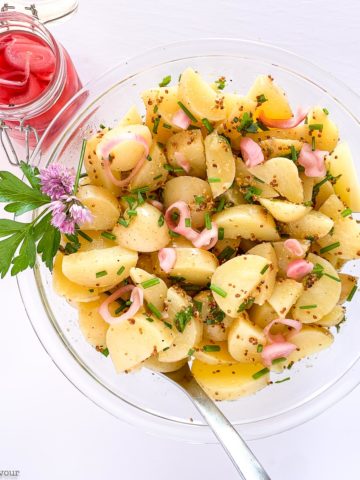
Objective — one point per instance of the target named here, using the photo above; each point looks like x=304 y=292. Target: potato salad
x=219 y=224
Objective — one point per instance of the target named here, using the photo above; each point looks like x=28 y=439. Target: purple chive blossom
x=57 y=181
x=67 y=213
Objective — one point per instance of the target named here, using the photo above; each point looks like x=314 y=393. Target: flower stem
x=81 y=161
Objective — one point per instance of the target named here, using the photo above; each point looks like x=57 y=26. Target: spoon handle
x=240 y=454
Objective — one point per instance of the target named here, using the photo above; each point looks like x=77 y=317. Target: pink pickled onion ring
x=251 y=152
x=180 y=227
x=18 y=83
x=276 y=350
x=294 y=247
x=104 y=150
x=137 y=299
x=283 y=321
x=292 y=122
x=167 y=259
x=156 y=204
x=182 y=162
x=207 y=238
x=297 y=269
x=181 y=120
x=313 y=161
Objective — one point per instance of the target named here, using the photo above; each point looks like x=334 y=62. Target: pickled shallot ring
x=180 y=227
x=137 y=299
x=294 y=247
x=167 y=259
x=313 y=161
x=276 y=350
x=207 y=238
x=297 y=269
x=156 y=204
x=18 y=83
x=284 y=321
x=292 y=122
x=251 y=152
x=181 y=120
x=182 y=162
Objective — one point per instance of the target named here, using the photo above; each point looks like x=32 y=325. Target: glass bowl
x=146 y=399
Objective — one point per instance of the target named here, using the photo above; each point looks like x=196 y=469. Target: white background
x=48 y=430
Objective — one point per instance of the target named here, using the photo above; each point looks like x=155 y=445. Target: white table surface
x=50 y=431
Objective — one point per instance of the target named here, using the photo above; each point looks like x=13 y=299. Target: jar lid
x=45 y=11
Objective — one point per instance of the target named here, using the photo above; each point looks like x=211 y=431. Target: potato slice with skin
x=325 y=191
x=309 y=340
x=262 y=315
x=200 y=98
x=190 y=143
x=131 y=117
x=276 y=104
x=266 y=286
x=277 y=147
x=348 y=282
x=152 y=363
x=284 y=257
x=312 y=225
x=308 y=186
x=216 y=323
x=333 y=318
x=155 y=294
x=327 y=138
x=226 y=243
x=281 y=174
x=103 y=205
x=233 y=196
x=143 y=233
x=136 y=339
x=87 y=268
x=245 y=179
x=189 y=189
x=283 y=210
x=340 y=162
x=228 y=382
x=346 y=230
x=92 y=325
x=324 y=293
x=244 y=338
x=178 y=301
x=248 y=221
x=220 y=357
x=149 y=174
x=285 y=294
x=220 y=164
x=237 y=278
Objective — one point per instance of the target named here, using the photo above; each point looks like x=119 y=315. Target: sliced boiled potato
x=220 y=163
x=216 y=323
x=152 y=174
x=191 y=145
x=276 y=104
x=245 y=179
x=348 y=283
x=103 y=205
x=244 y=339
x=314 y=225
x=248 y=221
x=308 y=186
x=237 y=280
x=228 y=382
x=325 y=191
x=99 y=268
x=186 y=326
x=346 y=231
x=309 y=340
x=262 y=315
x=281 y=174
x=326 y=138
x=278 y=147
x=92 y=324
x=193 y=191
x=94 y=240
x=156 y=294
x=265 y=288
x=341 y=162
x=284 y=295
x=283 y=210
x=321 y=295
x=200 y=98
x=226 y=245
x=233 y=196
x=236 y=108
x=284 y=257
x=144 y=232
x=131 y=117
x=134 y=340
x=334 y=317
x=222 y=356
x=153 y=363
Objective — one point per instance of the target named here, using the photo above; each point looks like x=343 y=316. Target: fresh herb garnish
x=226 y=254
x=108 y=235
x=260 y=373
x=211 y=348
x=156 y=125
x=154 y=310
x=346 y=212
x=326 y=111
x=161 y=220
x=207 y=125
x=307 y=307
x=199 y=199
x=261 y=98
x=191 y=352
x=103 y=273
x=220 y=83
x=84 y=235
x=265 y=269
x=198 y=305
x=123 y=222
x=259 y=348
x=221 y=233
x=246 y=304
x=150 y=283
x=316 y=126
x=278 y=360
x=251 y=192
x=218 y=290
x=283 y=380
x=105 y=352
x=182 y=318
x=214 y=180
x=80 y=164
x=187 y=111
x=351 y=294
x=207 y=219
x=330 y=247
x=165 y=81
x=121 y=270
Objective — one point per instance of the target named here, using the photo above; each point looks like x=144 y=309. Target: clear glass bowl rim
x=55 y=345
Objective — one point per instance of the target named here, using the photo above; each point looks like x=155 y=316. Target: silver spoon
x=240 y=454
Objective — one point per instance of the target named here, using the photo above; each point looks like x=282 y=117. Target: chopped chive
x=160 y=145
x=81 y=161
x=289 y=367
x=207 y=125
x=326 y=111
x=221 y=205
x=143 y=189
x=188 y=113
x=259 y=348
x=351 y=294
x=198 y=305
x=220 y=83
x=168 y=167
x=150 y=283
x=131 y=213
x=123 y=222
x=265 y=269
x=157 y=177
x=278 y=360
x=283 y=380
x=156 y=125
x=218 y=290
x=191 y=352
x=260 y=373
x=316 y=126
x=174 y=234
x=199 y=199
x=176 y=278
x=333 y=278
x=166 y=125
x=307 y=307
x=261 y=98
x=102 y=126
x=207 y=218
x=85 y=235
x=167 y=324
x=346 y=212
x=121 y=270
x=221 y=233
x=306 y=120
x=83 y=175
x=149 y=158
x=91 y=290
x=161 y=220
x=149 y=319
x=226 y=254
x=105 y=352
x=313 y=144
x=103 y=273
x=247 y=304
x=164 y=349
x=129 y=200
x=188 y=222
x=211 y=348
x=293 y=153
x=251 y=191
x=330 y=247
x=165 y=81
x=309 y=203
x=108 y=235
x=214 y=180
x=156 y=108
x=141 y=200
x=154 y=310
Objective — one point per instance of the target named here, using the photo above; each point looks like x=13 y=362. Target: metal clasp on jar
x=8 y=145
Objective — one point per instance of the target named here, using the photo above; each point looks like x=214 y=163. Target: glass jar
x=28 y=119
